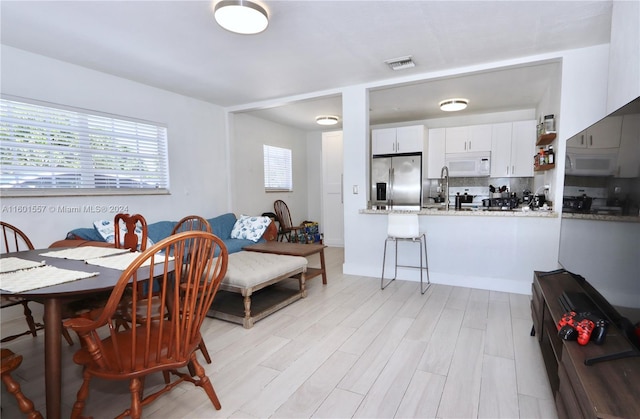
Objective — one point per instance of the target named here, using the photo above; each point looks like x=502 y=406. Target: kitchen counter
x=475 y=212
x=601 y=217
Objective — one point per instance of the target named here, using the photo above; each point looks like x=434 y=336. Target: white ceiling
x=315 y=46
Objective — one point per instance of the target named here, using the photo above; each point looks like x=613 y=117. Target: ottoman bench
x=250 y=272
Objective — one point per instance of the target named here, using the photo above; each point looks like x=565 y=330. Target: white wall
x=198 y=161
x=624 y=57
x=247 y=138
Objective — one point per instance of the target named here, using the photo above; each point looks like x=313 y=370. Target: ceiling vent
x=400 y=63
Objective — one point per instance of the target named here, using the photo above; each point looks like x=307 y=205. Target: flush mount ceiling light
x=241 y=16
x=326 y=120
x=452 y=105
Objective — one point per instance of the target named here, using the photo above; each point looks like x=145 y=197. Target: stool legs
x=424 y=265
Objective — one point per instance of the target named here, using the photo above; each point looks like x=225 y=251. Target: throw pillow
x=250 y=228
x=107 y=231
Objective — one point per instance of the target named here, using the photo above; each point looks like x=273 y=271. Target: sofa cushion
x=222 y=225
x=160 y=230
x=84 y=233
x=250 y=228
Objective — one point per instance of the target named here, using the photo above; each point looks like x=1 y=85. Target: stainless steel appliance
x=396 y=180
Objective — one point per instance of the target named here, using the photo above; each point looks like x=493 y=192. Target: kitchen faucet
x=444 y=179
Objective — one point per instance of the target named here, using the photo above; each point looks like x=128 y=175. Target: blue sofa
x=221 y=226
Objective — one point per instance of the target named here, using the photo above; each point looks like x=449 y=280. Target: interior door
x=332 y=191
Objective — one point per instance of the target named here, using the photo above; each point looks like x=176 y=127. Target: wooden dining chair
x=130 y=238
x=286 y=228
x=127 y=239
x=194 y=223
x=15 y=240
x=189 y=274
x=9 y=363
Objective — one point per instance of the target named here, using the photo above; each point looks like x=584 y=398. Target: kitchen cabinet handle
x=590 y=140
x=513 y=169
x=582 y=139
x=507 y=169
x=469 y=145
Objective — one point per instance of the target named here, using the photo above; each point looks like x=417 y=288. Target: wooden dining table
x=53 y=297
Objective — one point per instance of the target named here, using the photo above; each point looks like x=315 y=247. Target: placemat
x=43 y=276
x=122 y=262
x=11 y=264
x=84 y=252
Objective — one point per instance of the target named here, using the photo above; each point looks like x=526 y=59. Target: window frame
x=153 y=139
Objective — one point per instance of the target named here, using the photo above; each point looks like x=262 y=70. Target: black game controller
x=587 y=326
x=567 y=332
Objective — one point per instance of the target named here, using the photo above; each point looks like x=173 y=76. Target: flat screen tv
x=600 y=238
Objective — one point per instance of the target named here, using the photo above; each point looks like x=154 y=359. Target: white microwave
x=601 y=164
x=468 y=164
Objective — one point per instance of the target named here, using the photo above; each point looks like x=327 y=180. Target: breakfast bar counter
x=464 y=213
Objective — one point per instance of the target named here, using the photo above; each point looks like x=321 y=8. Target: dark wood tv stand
x=609 y=389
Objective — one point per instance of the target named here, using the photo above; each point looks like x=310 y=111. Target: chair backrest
x=13 y=239
x=403 y=226
x=188 y=275
x=192 y=223
x=282 y=213
x=130 y=240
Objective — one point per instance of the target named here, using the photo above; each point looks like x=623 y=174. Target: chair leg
x=135 y=386
x=29 y=317
x=13 y=387
x=81 y=397
x=67 y=336
x=205 y=383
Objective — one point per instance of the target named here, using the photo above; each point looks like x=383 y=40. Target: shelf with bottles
x=545 y=139
x=545 y=159
x=543 y=167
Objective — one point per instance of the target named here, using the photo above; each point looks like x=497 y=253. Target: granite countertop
x=518 y=212
x=602 y=217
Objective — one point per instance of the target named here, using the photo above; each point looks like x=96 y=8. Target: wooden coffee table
x=294 y=249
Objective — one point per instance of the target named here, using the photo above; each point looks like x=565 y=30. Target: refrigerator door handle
x=391 y=179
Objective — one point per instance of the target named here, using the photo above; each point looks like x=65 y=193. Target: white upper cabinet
x=604 y=134
x=512 y=149
x=472 y=138
x=523 y=148
x=408 y=139
x=629 y=152
x=435 y=152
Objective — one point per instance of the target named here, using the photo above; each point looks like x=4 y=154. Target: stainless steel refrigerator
x=396 y=180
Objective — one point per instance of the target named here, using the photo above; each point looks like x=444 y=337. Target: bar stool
x=405 y=227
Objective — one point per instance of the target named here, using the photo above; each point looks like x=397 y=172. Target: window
x=67 y=151
x=277 y=169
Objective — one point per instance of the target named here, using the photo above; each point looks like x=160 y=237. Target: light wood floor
x=347 y=350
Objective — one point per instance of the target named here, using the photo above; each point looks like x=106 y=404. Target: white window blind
x=51 y=148
x=277 y=169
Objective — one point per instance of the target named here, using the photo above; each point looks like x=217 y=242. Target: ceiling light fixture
x=452 y=105
x=241 y=16
x=326 y=120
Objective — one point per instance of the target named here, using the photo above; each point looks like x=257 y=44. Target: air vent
x=400 y=63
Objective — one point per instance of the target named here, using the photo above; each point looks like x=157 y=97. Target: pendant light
x=241 y=16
